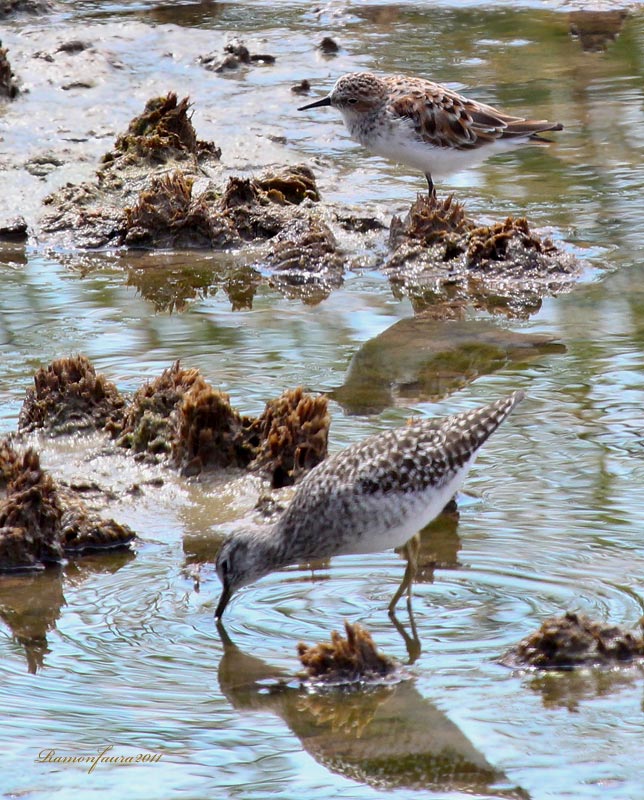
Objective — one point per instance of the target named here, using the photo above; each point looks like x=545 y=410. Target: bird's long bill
x=325 y=101
x=223 y=601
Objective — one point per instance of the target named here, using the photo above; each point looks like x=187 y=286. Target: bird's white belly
x=412 y=513
x=437 y=161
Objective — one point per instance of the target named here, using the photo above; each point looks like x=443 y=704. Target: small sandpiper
x=372 y=496
x=425 y=125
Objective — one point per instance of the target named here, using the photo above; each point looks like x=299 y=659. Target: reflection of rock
x=170 y=283
x=596 y=29
x=559 y=689
x=387 y=737
x=41 y=521
x=421 y=358
x=574 y=640
x=69 y=396
x=30 y=604
x=438 y=249
x=343 y=661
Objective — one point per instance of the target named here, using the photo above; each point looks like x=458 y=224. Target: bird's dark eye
x=352 y=101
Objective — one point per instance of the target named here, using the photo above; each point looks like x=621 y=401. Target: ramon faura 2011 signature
x=52 y=756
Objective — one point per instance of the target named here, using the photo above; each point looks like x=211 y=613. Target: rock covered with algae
x=147 y=423
x=40 y=521
x=210 y=432
x=349 y=660
x=575 y=640
x=439 y=249
x=68 y=395
x=161 y=186
x=292 y=435
x=9 y=88
x=179 y=415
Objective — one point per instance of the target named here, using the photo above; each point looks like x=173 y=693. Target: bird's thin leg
x=431 y=189
x=411 y=552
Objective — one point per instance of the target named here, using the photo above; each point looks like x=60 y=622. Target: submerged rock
x=69 y=396
x=575 y=640
x=236 y=55
x=440 y=252
x=40 y=522
x=349 y=660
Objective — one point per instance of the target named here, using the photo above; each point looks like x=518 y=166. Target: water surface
x=123 y=650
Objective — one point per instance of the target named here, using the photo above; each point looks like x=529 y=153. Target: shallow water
x=123 y=650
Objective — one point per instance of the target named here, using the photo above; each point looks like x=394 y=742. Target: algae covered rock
x=349 y=660
x=69 y=395
x=575 y=640
x=40 y=521
x=293 y=435
x=439 y=252
x=210 y=432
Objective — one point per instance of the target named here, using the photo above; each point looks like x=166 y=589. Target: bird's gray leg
x=430 y=187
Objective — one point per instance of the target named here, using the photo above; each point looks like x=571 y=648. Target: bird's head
x=356 y=92
x=240 y=561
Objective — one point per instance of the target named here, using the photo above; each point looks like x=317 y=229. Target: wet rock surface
x=40 y=521
x=349 y=660
x=575 y=640
x=305 y=256
x=153 y=190
x=439 y=253
x=14 y=230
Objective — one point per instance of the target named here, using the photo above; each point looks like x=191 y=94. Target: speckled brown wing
x=447 y=119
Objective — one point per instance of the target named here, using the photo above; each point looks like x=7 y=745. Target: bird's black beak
x=325 y=101
x=223 y=601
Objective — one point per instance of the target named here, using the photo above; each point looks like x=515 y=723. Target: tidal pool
x=122 y=650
